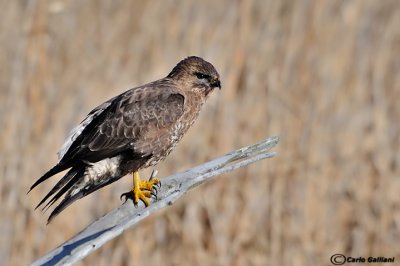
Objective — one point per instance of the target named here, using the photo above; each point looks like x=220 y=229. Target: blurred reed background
x=323 y=75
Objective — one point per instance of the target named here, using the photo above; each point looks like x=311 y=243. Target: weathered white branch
x=173 y=187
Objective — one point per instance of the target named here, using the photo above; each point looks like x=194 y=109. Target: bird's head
x=197 y=74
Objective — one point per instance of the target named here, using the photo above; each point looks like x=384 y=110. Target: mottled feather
x=131 y=131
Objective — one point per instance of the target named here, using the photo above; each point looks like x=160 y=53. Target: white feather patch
x=97 y=173
x=107 y=167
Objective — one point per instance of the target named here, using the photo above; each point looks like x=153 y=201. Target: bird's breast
x=164 y=143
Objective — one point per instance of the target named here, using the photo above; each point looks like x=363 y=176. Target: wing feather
x=130 y=119
x=77 y=131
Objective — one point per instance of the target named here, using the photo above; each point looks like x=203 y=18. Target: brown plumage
x=131 y=131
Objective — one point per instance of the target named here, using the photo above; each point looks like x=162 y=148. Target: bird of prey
x=132 y=131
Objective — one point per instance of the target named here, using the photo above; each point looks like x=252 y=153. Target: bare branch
x=173 y=187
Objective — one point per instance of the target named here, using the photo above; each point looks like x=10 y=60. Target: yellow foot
x=142 y=190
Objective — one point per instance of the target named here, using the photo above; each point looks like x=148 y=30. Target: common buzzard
x=132 y=131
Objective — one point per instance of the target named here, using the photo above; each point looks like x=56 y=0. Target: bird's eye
x=202 y=76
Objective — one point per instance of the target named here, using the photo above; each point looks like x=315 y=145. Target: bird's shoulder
x=119 y=123
x=159 y=90
x=146 y=103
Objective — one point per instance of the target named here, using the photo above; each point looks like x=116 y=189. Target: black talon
x=127 y=195
x=136 y=205
x=154 y=195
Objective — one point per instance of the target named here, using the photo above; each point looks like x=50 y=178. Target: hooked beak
x=216 y=83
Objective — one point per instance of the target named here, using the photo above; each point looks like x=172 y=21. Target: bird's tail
x=55 y=170
x=65 y=183
x=74 y=187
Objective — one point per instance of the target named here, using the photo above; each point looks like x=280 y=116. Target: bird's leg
x=141 y=190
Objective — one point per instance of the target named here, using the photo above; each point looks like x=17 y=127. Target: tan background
x=323 y=75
